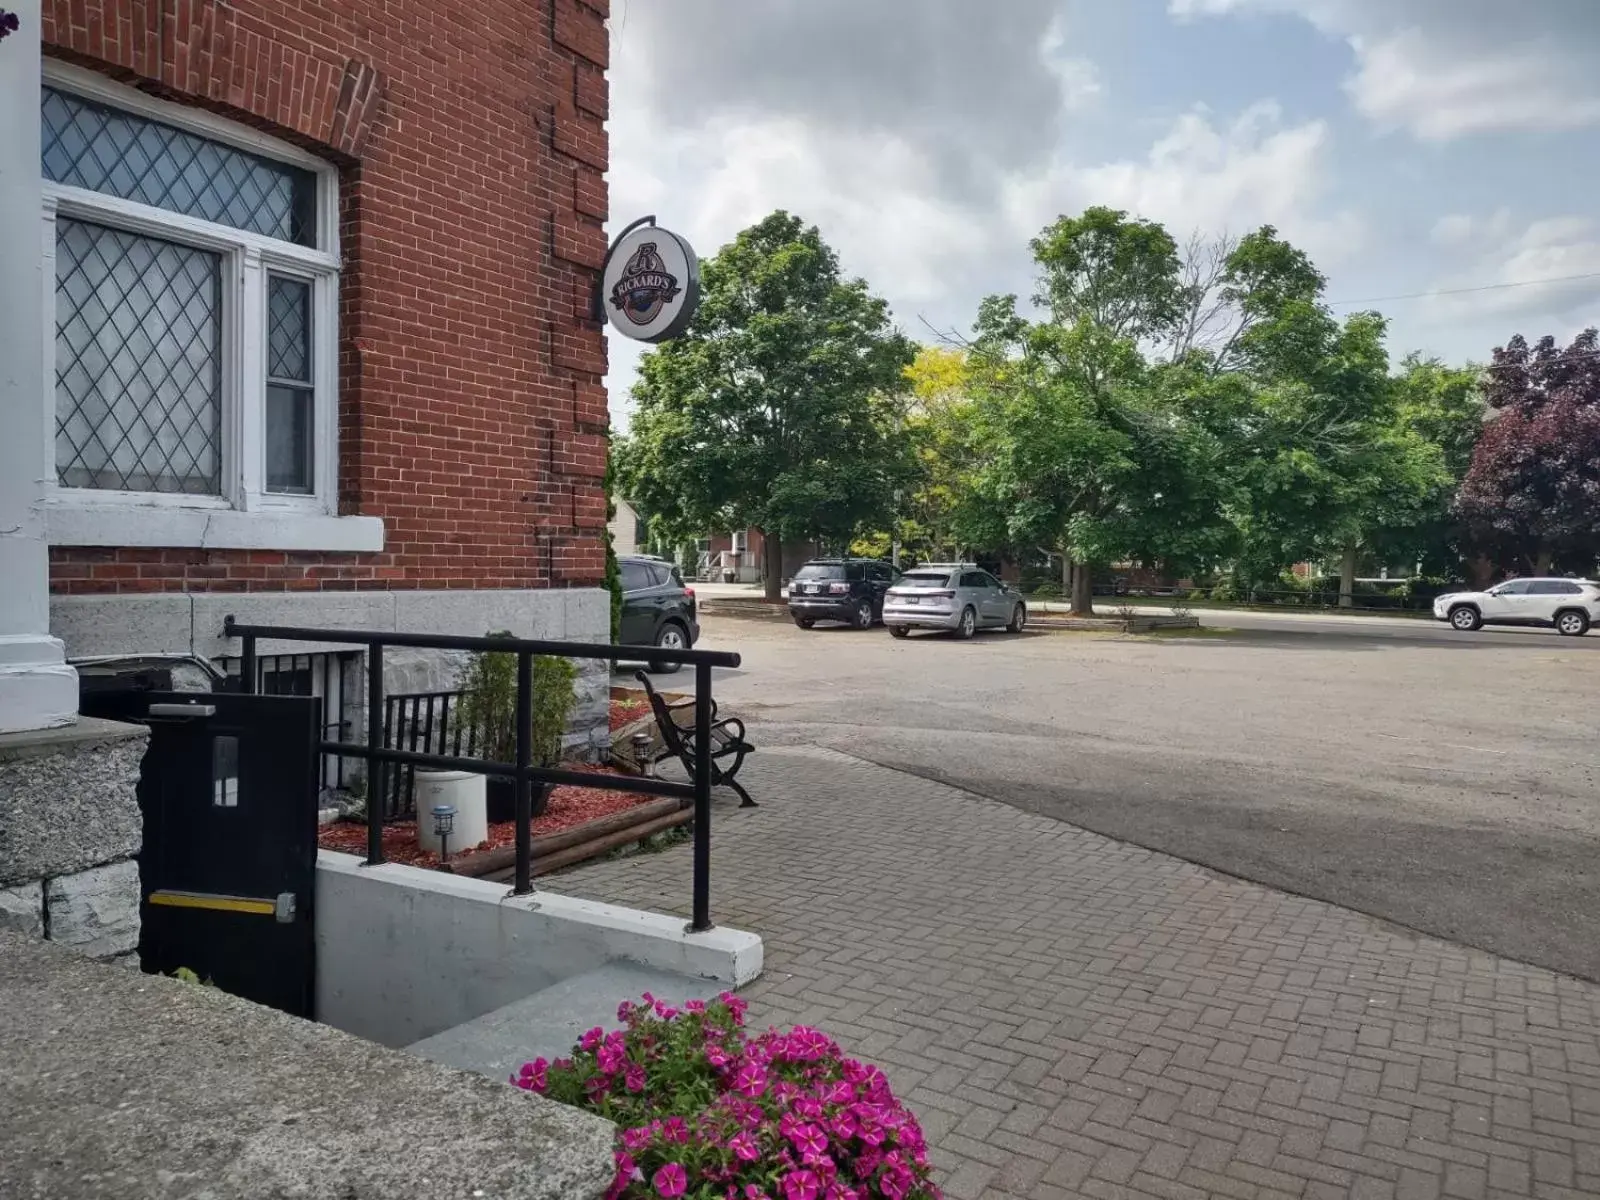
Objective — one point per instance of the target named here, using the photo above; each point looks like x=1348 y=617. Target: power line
x=1487 y=287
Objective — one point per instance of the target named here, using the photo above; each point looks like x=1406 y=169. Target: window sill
x=208 y=529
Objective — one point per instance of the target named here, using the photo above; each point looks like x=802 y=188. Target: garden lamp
x=641 y=752
x=444 y=820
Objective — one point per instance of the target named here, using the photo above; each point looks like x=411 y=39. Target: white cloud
x=1408 y=80
x=1205 y=175
x=1445 y=69
x=1549 y=272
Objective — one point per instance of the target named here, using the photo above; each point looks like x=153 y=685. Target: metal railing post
x=247 y=665
x=524 y=873
x=375 y=763
x=702 y=798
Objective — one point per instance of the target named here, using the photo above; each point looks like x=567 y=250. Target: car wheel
x=672 y=637
x=1465 y=618
x=864 y=615
x=1019 y=619
x=969 y=624
x=804 y=622
x=1572 y=623
x=899 y=631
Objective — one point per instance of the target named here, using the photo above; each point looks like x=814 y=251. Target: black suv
x=840 y=589
x=657 y=609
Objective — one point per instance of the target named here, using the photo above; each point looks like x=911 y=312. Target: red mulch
x=569 y=806
x=625 y=712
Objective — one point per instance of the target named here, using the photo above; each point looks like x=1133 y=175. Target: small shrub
x=707 y=1112
x=489 y=704
x=1046 y=587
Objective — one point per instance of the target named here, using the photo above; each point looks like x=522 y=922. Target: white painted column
x=38 y=690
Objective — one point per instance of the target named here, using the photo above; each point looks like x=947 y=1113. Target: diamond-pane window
x=106 y=150
x=291 y=398
x=138 y=362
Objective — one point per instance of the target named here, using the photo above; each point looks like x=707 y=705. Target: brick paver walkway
x=1072 y=1016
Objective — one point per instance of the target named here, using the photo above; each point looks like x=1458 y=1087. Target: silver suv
x=961 y=597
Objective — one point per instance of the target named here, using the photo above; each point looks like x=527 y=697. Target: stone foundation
x=70 y=827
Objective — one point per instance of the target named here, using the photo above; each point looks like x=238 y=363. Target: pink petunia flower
x=751 y=1080
x=671 y=1181
x=744 y=1146
x=633 y=1077
x=800 y=1185
x=591 y=1039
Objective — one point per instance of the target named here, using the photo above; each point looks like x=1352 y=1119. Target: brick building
x=315 y=318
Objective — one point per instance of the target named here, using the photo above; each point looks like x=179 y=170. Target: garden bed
x=570 y=807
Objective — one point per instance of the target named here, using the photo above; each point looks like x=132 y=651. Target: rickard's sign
x=651 y=284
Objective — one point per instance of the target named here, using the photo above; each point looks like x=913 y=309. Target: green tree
x=1334 y=463
x=776 y=409
x=1085 y=447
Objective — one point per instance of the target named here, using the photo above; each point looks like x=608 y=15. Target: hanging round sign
x=651 y=284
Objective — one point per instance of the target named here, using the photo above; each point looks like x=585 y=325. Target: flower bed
x=708 y=1113
x=625 y=710
x=569 y=806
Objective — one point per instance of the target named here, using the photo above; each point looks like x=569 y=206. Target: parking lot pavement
x=1074 y=1016
x=1450 y=786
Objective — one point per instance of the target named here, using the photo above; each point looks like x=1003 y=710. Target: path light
x=641 y=752
x=444 y=820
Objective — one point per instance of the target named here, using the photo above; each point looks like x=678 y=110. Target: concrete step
x=548 y=1023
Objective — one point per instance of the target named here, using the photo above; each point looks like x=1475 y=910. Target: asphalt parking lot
x=1446 y=782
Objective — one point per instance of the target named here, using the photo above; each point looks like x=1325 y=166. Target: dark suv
x=840 y=589
x=657 y=609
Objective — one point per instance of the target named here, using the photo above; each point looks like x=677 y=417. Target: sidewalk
x=1073 y=1016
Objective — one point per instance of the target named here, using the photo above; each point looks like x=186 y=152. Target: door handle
x=183 y=710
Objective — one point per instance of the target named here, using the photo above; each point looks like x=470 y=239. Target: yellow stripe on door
x=238 y=904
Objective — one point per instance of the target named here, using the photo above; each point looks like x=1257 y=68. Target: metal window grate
x=326 y=676
x=138 y=362
x=92 y=146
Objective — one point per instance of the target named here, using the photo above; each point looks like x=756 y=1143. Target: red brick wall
x=472 y=149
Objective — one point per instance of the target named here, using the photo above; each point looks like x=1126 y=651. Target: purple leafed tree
x=1531 y=498
x=8 y=24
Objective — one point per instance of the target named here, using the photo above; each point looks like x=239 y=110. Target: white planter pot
x=464 y=790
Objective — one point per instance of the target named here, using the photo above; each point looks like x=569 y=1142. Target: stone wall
x=70 y=827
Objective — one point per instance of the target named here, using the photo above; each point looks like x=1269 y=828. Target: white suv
x=1571 y=605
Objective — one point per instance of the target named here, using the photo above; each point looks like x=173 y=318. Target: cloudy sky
x=1411 y=146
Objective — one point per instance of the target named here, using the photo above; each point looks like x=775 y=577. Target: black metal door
x=228 y=790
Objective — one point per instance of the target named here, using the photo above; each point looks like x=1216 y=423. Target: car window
x=658 y=574
x=990 y=581
x=880 y=573
x=854 y=573
x=820 y=571
x=1514 y=587
x=974 y=579
x=1556 y=587
x=635 y=576
x=924 y=579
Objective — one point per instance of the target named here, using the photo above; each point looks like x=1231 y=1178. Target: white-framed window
x=191 y=292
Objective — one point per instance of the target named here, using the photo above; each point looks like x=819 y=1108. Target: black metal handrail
x=378 y=756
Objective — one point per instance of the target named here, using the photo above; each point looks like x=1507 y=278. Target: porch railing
x=425 y=721
x=379 y=757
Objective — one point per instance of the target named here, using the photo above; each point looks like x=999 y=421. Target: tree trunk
x=772 y=565
x=1541 y=562
x=1347 y=578
x=1082 y=590
x=1066 y=576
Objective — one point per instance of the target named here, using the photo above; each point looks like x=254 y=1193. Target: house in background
x=317 y=346
x=743 y=553
x=629 y=534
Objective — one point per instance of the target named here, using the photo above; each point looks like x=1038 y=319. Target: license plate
x=913 y=600
x=813 y=588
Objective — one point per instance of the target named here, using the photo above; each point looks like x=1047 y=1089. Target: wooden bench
x=727 y=740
